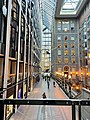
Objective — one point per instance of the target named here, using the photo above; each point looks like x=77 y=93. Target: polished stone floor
x=44 y=112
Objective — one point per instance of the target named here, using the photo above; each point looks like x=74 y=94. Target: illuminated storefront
x=9 y=108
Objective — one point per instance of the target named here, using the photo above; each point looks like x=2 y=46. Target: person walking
x=48 y=84
x=54 y=83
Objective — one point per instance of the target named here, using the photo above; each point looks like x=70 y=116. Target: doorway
x=66 y=72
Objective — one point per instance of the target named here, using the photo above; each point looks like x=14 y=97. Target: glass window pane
x=73 y=60
x=65 y=25
x=72 y=52
x=65 y=45
x=65 y=52
x=72 y=38
x=66 y=60
x=59 y=60
x=59 y=52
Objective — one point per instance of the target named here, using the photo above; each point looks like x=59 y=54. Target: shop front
x=9 y=109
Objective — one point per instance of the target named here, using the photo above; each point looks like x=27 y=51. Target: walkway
x=26 y=112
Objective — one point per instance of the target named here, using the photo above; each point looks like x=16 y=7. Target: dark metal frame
x=70 y=102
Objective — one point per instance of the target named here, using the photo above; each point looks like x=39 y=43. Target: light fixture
x=87 y=73
x=81 y=73
x=69 y=76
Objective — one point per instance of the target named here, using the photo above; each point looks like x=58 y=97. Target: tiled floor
x=27 y=112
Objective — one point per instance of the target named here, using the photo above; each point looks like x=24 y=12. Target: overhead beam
x=58 y=7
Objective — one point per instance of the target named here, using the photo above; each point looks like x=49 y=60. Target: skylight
x=70 y=4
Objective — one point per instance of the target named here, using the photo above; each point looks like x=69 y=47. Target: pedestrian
x=48 y=84
x=54 y=83
x=44 y=95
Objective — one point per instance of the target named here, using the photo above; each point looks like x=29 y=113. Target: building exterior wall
x=65 y=47
x=84 y=39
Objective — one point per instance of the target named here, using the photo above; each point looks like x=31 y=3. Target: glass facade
x=48 y=10
x=46 y=50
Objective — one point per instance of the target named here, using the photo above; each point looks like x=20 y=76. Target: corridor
x=44 y=112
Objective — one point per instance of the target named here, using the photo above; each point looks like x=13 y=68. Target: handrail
x=16 y=83
x=62 y=102
x=77 y=95
x=66 y=102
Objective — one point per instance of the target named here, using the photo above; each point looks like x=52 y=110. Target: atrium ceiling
x=59 y=8
x=70 y=4
x=69 y=8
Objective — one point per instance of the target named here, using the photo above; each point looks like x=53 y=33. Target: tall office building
x=47 y=11
x=46 y=50
x=20 y=38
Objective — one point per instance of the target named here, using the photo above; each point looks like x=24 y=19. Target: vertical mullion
x=73 y=111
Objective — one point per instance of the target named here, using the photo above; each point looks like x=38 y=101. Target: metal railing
x=66 y=86
x=64 y=102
